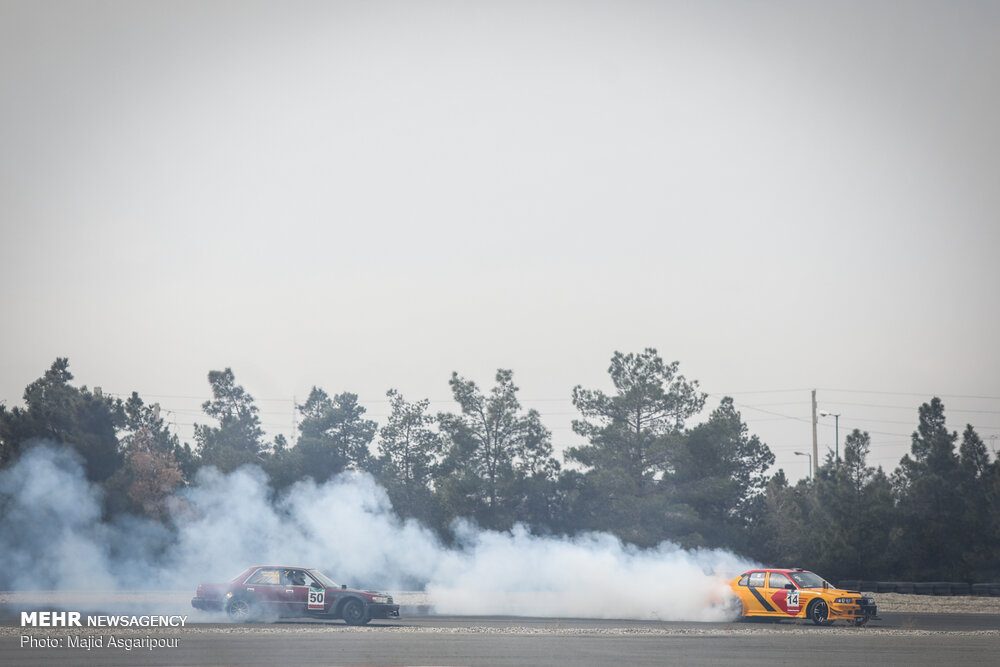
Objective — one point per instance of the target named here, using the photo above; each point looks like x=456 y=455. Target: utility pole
x=815 y=456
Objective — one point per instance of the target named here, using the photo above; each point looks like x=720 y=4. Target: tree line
x=644 y=474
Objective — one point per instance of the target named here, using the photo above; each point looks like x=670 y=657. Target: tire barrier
x=986 y=590
x=922 y=587
x=943 y=588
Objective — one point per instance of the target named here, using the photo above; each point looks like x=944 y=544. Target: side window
x=744 y=579
x=757 y=579
x=779 y=580
x=293 y=578
x=265 y=576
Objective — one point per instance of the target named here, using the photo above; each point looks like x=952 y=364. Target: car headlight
x=380 y=599
x=844 y=601
x=229 y=595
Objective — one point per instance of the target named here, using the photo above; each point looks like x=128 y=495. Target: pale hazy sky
x=365 y=195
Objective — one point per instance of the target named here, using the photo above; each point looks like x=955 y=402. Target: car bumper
x=867 y=611
x=383 y=611
x=206 y=604
x=852 y=611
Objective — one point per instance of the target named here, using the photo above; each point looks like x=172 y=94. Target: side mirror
x=790 y=587
x=343 y=587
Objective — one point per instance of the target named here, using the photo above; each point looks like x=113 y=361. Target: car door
x=301 y=593
x=757 y=602
x=783 y=594
x=265 y=588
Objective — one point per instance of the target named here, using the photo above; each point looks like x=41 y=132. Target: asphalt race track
x=899 y=639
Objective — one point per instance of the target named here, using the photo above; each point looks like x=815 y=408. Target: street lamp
x=810 y=462
x=836 y=433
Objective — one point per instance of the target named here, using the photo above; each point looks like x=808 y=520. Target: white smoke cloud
x=52 y=534
x=592 y=576
x=346 y=527
x=50 y=525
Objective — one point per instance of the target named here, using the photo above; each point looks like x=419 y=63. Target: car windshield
x=807 y=579
x=323 y=579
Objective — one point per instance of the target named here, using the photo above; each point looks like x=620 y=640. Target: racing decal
x=317 y=599
x=787 y=601
x=793 y=599
x=760 y=598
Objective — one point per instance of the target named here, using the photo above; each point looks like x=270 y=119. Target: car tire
x=818 y=612
x=241 y=610
x=860 y=621
x=353 y=612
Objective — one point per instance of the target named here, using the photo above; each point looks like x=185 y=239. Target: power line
x=763 y=391
x=909 y=407
x=758 y=408
x=903 y=393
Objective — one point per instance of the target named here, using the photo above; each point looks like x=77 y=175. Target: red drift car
x=269 y=591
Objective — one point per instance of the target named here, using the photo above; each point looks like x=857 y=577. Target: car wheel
x=861 y=621
x=818 y=612
x=241 y=610
x=354 y=612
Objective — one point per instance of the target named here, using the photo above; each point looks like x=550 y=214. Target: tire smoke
x=52 y=537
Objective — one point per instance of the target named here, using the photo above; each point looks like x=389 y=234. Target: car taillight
x=201 y=588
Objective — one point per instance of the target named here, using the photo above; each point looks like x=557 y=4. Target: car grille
x=866 y=607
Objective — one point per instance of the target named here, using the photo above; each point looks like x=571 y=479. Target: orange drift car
x=773 y=593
